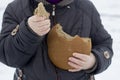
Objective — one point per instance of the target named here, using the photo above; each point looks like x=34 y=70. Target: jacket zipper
x=53 y=14
x=58 y=78
x=54 y=22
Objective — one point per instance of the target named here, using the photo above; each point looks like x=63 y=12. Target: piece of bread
x=41 y=11
x=61 y=46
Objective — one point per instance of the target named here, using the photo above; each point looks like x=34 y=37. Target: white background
x=110 y=15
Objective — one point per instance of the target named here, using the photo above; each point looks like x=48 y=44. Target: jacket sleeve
x=101 y=43
x=16 y=50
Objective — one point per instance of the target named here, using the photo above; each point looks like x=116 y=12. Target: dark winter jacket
x=22 y=48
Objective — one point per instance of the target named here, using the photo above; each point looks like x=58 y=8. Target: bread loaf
x=61 y=46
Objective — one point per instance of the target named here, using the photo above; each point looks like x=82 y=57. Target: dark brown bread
x=61 y=46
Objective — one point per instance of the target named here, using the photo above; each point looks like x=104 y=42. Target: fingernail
x=74 y=54
x=68 y=62
x=69 y=58
x=69 y=70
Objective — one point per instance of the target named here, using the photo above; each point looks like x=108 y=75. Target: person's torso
x=74 y=22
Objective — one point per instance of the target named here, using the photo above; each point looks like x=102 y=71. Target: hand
x=39 y=25
x=81 y=62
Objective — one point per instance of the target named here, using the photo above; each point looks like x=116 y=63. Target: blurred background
x=110 y=15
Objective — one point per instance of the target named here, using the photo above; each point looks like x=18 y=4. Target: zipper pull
x=53 y=12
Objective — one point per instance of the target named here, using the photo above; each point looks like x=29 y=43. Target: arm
x=102 y=44
x=16 y=50
x=101 y=53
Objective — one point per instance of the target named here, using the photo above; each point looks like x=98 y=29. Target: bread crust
x=61 y=46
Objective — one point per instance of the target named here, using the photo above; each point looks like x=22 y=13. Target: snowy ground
x=110 y=15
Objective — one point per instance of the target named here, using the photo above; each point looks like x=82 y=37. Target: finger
x=44 y=28
x=36 y=18
x=74 y=70
x=73 y=65
x=76 y=61
x=41 y=26
x=43 y=23
x=45 y=32
x=81 y=56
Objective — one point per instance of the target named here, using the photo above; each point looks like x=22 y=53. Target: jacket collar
x=25 y=4
x=62 y=3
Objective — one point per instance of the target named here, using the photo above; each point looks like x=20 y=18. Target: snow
x=110 y=15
